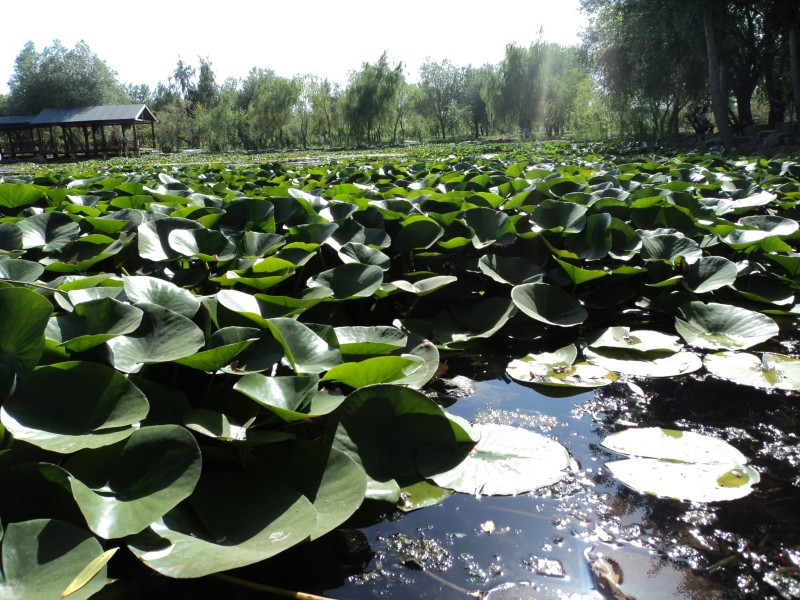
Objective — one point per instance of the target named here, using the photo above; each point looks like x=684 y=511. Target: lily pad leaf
x=640 y=340
x=710 y=273
x=398 y=433
x=221 y=349
x=42 y=557
x=379 y=369
x=559 y=369
x=163 y=336
x=17 y=195
x=20 y=270
x=512 y=270
x=95 y=406
x=421 y=495
x=771 y=371
x=306 y=352
x=549 y=304
x=163 y=293
x=370 y=340
x=557 y=216
x=680 y=464
x=93 y=323
x=205 y=244
x=507 y=461
x=351 y=280
x=121 y=489
x=232 y=519
x=716 y=326
x=24 y=315
x=290 y=398
x=669 y=247
x=49 y=231
x=654 y=364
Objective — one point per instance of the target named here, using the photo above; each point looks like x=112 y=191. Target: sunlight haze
x=144 y=41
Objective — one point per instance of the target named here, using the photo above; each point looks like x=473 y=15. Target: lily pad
x=232 y=519
x=95 y=406
x=716 y=326
x=680 y=464
x=23 y=318
x=771 y=371
x=559 y=369
x=506 y=461
x=121 y=489
x=549 y=304
x=641 y=340
x=42 y=557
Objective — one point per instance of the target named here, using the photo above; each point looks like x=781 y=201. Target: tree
x=369 y=98
x=522 y=85
x=59 y=77
x=270 y=108
x=205 y=90
x=650 y=59
x=443 y=86
x=477 y=83
x=719 y=95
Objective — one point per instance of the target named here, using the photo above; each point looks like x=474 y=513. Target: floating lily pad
x=41 y=558
x=121 y=489
x=232 y=519
x=716 y=326
x=680 y=464
x=549 y=304
x=95 y=406
x=506 y=461
x=559 y=369
x=641 y=340
x=771 y=371
x=644 y=364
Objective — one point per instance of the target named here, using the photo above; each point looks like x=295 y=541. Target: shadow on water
x=554 y=542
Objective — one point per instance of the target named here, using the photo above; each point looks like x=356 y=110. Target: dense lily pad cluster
x=210 y=364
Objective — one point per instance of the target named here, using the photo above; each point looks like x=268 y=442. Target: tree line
x=642 y=65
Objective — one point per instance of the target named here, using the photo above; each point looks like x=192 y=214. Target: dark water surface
x=541 y=545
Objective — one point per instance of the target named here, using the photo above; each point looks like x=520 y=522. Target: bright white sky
x=142 y=40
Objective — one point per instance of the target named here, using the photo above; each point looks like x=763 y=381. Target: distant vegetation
x=641 y=67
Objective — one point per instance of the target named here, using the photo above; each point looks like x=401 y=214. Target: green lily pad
x=370 y=340
x=771 y=371
x=20 y=270
x=306 y=352
x=232 y=519
x=222 y=348
x=378 y=369
x=93 y=323
x=23 y=319
x=710 y=273
x=421 y=495
x=42 y=557
x=17 y=195
x=205 y=244
x=559 y=369
x=549 y=304
x=162 y=336
x=507 y=461
x=352 y=280
x=121 y=489
x=50 y=231
x=557 y=216
x=290 y=398
x=95 y=406
x=397 y=433
x=680 y=464
x=716 y=326
x=142 y=289
x=512 y=270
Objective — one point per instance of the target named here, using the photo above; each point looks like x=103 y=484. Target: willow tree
x=369 y=99
x=521 y=85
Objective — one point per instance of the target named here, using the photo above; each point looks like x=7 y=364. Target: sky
x=143 y=40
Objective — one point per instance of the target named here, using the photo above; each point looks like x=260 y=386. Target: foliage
x=205 y=365
x=61 y=77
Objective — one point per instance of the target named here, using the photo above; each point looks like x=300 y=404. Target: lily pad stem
x=260 y=587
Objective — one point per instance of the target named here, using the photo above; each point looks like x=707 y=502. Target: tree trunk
x=718 y=95
x=794 y=61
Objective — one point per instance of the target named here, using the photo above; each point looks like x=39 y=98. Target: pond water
x=545 y=545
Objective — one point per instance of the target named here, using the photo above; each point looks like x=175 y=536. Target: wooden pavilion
x=87 y=131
